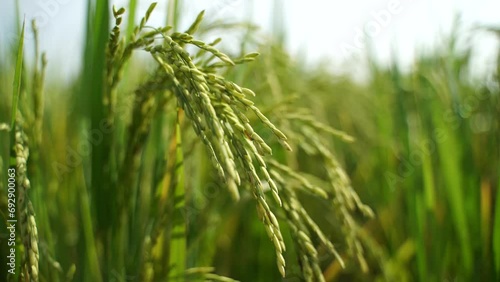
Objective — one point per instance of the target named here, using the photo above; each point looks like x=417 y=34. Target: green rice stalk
x=496 y=231
x=16 y=90
x=173 y=13
x=178 y=240
x=132 y=7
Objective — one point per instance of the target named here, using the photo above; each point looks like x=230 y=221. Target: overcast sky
x=316 y=29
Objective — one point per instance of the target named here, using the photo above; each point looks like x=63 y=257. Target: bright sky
x=317 y=29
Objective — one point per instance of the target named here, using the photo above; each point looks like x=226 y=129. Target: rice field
x=171 y=157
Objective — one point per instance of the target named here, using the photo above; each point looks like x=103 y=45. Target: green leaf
x=178 y=238
x=496 y=232
x=132 y=7
x=16 y=92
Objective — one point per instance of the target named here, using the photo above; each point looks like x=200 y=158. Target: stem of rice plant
x=178 y=236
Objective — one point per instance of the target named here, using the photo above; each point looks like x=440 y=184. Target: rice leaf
x=496 y=231
x=132 y=7
x=16 y=91
x=173 y=13
x=178 y=239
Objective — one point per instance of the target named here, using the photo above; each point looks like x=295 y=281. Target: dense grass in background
x=424 y=155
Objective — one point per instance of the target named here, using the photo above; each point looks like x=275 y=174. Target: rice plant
x=126 y=179
x=169 y=158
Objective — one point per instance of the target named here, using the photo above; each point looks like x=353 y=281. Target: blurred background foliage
x=426 y=158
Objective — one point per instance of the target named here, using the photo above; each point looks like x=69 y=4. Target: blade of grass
x=17 y=83
x=173 y=13
x=93 y=89
x=496 y=231
x=16 y=93
x=96 y=87
x=178 y=237
x=429 y=188
x=132 y=7
x=449 y=151
x=17 y=24
x=91 y=256
x=420 y=234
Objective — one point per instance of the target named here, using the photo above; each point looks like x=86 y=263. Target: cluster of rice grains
x=217 y=110
x=29 y=231
x=336 y=191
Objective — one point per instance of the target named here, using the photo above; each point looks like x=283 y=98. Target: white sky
x=316 y=29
